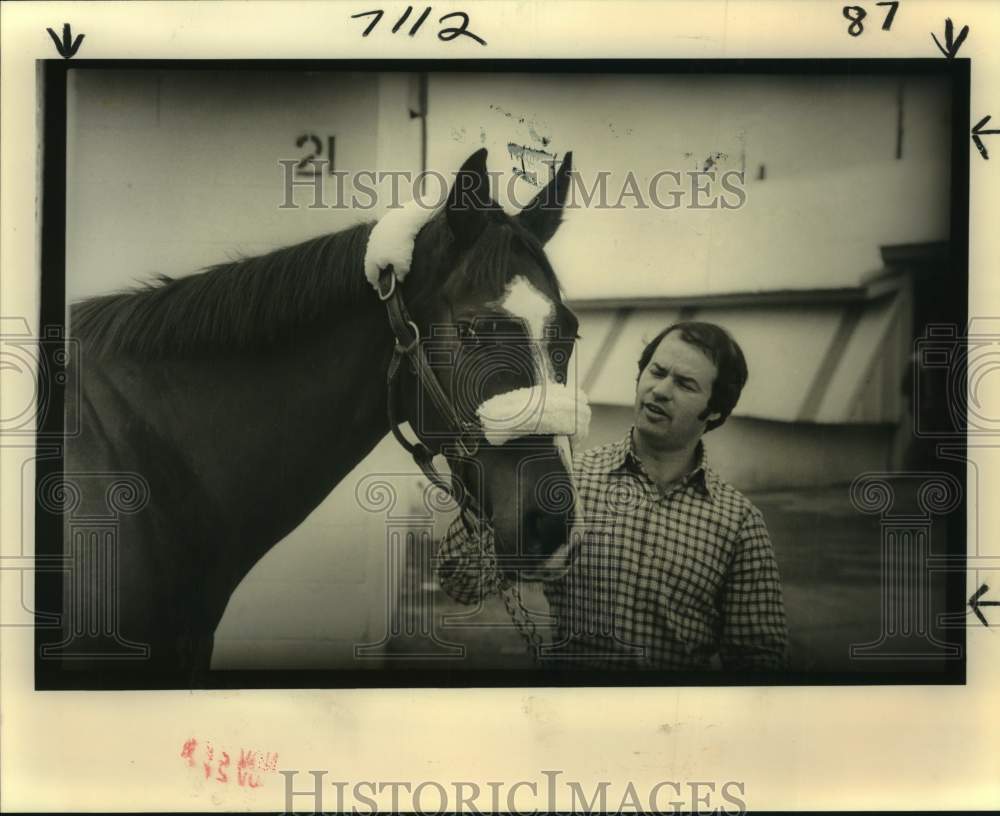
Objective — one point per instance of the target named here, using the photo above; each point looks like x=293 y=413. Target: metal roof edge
x=879 y=283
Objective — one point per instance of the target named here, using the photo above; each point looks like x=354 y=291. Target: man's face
x=672 y=394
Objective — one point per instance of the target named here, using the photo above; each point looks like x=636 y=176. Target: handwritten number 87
x=856 y=14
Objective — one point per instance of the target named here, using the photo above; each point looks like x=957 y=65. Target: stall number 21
x=311 y=164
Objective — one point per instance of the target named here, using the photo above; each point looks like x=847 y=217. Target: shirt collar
x=621 y=453
x=706 y=478
x=624 y=457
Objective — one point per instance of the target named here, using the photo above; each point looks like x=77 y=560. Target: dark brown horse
x=226 y=405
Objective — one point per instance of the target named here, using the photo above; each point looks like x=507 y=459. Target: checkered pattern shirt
x=663 y=579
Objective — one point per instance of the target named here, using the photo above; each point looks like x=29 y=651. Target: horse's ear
x=544 y=214
x=469 y=199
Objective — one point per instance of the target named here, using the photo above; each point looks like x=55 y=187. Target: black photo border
x=52 y=77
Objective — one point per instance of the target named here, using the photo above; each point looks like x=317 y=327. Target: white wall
x=833 y=189
x=172 y=171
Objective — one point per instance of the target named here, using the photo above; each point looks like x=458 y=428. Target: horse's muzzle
x=538 y=561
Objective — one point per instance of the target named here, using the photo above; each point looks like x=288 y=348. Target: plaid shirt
x=663 y=579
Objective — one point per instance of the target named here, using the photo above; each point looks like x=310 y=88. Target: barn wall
x=170 y=171
x=832 y=363
x=833 y=168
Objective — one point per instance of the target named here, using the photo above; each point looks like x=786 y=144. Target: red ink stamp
x=249 y=767
x=187 y=752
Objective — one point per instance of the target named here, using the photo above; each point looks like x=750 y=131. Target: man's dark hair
x=719 y=346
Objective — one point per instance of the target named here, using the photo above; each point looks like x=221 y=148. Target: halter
x=381 y=273
x=408 y=346
x=387 y=262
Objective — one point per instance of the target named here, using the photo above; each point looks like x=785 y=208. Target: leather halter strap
x=408 y=346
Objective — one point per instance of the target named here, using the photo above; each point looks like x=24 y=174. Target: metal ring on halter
x=392 y=286
x=413 y=343
x=464 y=448
x=468 y=429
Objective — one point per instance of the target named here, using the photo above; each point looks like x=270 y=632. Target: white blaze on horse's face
x=548 y=408
x=523 y=300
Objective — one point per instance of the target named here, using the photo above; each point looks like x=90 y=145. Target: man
x=675 y=569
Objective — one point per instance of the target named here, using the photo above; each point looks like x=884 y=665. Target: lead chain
x=511 y=595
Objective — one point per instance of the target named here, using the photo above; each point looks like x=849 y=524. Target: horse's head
x=499 y=338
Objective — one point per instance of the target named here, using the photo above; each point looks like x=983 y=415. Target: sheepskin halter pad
x=391 y=241
x=542 y=410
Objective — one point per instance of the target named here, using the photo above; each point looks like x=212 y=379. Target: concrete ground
x=830 y=557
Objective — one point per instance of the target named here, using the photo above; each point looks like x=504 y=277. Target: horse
x=224 y=406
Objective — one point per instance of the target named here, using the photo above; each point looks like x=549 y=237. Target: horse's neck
x=268 y=436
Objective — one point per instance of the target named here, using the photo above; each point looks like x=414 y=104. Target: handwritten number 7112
x=448 y=33
x=856 y=14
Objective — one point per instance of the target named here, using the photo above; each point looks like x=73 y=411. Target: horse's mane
x=254 y=303
x=233 y=306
